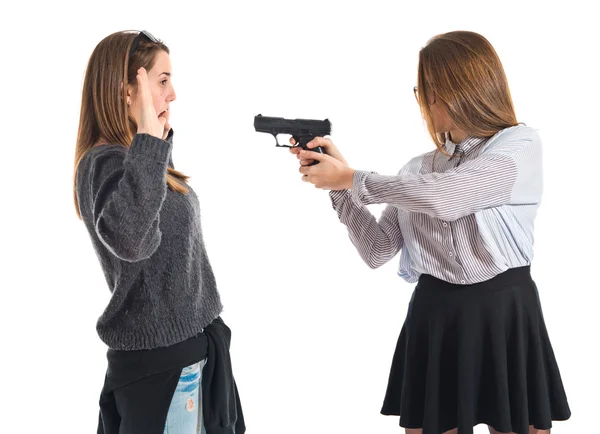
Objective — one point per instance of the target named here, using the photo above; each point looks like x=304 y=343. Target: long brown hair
x=104 y=113
x=462 y=71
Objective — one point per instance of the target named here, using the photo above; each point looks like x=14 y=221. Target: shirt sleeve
x=128 y=188
x=487 y=181
x=377 y=242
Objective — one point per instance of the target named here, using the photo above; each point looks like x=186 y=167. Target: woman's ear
x=129 y=95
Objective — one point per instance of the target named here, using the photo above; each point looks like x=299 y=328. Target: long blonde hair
x=104 y=112
x=462 y=71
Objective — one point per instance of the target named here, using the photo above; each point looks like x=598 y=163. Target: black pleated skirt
x=471 y=354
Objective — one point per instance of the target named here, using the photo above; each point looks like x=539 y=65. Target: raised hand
x=143 y=107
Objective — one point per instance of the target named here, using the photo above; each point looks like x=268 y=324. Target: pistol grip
x=318 y=149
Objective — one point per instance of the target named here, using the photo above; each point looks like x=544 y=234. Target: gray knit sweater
x=148 y=239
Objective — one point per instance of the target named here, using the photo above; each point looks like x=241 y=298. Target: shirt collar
x=464 y=147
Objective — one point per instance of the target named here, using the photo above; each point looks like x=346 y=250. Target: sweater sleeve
x=128 y=188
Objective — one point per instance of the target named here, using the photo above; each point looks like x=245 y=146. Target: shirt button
x=450 y=253
x=445 y=224
x=463 y=281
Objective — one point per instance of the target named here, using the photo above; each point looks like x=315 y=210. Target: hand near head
x=143 y=107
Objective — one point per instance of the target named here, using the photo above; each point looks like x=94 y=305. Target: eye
x=163 y=82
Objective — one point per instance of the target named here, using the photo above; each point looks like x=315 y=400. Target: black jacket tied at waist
x=139 y=385
x=222 y=409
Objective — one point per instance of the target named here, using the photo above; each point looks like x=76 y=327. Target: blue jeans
x=185 y=411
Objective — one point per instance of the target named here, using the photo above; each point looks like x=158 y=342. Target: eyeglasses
x=138 y=38
x=416 y=92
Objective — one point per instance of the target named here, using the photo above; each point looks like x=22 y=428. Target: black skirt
x=471 y=354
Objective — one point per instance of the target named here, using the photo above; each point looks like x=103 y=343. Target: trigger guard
x=276 y=141
x=277 y=144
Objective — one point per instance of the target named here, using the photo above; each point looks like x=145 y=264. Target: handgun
x=302 y=130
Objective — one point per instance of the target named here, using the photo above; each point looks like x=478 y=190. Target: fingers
x=308 y=179
x=144 y=95
x=317 y=141
x=312 y=155
x=312 y=180
x=306 y=158
x=143 y=86
x=303 y=161
x=311 y=174
x=163 y=121
x=146 y=116
x=142 y=74
x=309 y=170
x=167 y=125
x=320 y=141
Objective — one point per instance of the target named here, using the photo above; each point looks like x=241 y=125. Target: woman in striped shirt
x=474 y=347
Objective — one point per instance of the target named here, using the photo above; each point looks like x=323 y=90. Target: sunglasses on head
x=138 y=38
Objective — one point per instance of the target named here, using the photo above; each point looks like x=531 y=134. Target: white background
x=314 y=328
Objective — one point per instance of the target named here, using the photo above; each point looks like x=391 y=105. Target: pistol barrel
x=274 y=125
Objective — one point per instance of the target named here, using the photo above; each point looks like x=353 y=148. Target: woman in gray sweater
x=143 y=219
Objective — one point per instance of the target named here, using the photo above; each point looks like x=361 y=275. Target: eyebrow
x=168 y=74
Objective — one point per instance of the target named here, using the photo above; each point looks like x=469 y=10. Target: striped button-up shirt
x=463 y=219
